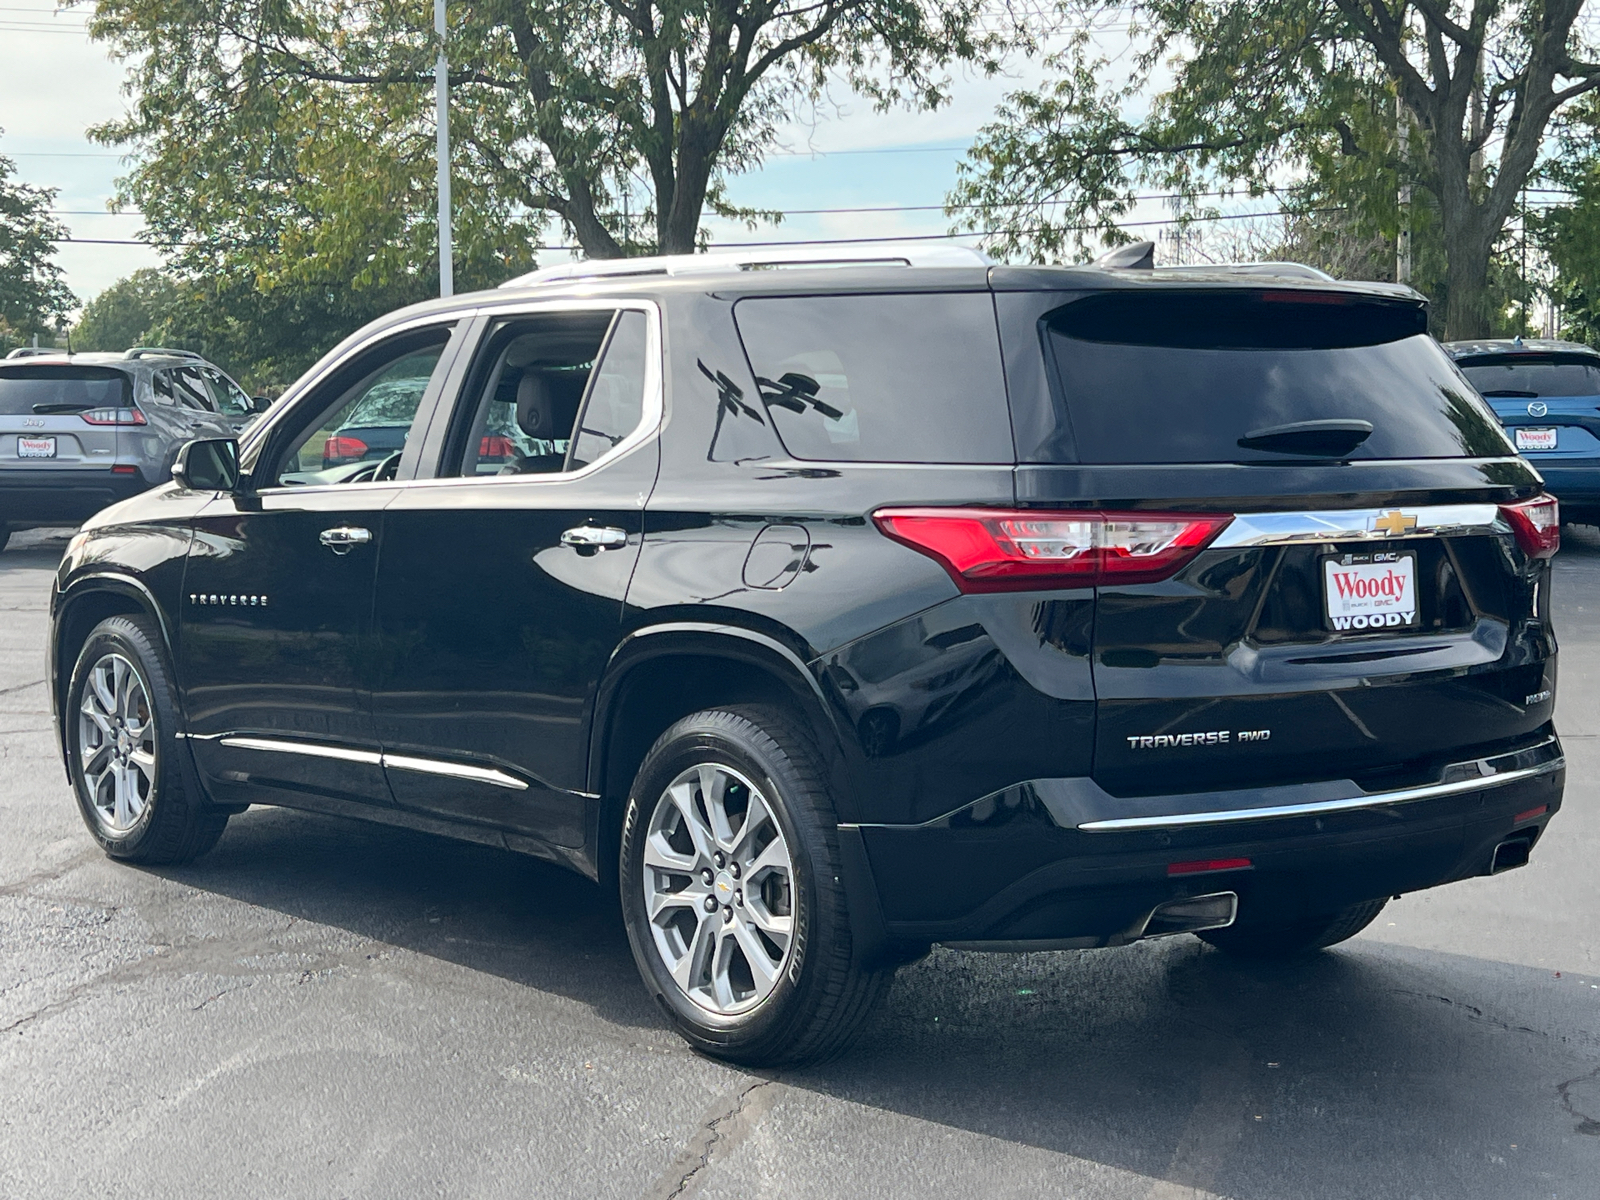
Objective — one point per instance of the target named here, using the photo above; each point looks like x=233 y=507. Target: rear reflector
x=1002 y=549
x=1537 y=524
x=124 y=469
x=113 y=416
x=1201 y=866
x=1530 y=814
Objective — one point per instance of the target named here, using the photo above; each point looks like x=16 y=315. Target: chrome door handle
x=591 y=537
x=345 y=538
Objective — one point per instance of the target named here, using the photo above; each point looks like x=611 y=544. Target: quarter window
x=898 y=378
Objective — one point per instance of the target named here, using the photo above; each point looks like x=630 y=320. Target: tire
x=147 y=816
x=5 y=535
x=809 y=1000
x=1304 y=937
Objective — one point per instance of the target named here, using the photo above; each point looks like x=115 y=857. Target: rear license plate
x=36 y=447
x=1535 y=439
x=1370 y=591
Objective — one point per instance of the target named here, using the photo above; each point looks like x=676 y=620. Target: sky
x=55 y=83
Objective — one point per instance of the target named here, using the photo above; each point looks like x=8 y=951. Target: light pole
x=441 y=93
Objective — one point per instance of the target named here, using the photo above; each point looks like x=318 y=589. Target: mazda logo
x=1538 y=408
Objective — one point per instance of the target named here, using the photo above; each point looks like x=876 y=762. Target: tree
x=1267 y=94
x=1568 y=234
x=304 y=127
x=33 y=299
x=125 y=313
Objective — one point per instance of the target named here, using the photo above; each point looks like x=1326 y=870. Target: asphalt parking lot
x=320 y=1008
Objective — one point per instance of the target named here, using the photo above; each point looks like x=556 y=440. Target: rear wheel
x=731 y=893
x=5 y=535
x=1303 y=937
x=119 y=720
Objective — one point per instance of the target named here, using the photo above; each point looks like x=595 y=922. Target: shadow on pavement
x=1368 y=1071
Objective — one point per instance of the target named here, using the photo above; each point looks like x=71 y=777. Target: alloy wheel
x=117 y=743
x=719 y=889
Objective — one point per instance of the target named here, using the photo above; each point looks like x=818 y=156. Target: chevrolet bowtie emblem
x=1395 y=523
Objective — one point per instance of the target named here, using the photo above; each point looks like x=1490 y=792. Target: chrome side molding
x=1361 y=524
x=371 y=758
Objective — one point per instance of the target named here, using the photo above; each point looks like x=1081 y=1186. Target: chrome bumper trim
x=1430 y=791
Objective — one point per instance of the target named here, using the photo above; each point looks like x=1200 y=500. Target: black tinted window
x=1163 y=378
x=23 y=389
x=1532 y=377
x=615 y=402
x=913 y=378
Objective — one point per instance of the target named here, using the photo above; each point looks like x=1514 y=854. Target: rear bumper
x=1045 y=862
x=65 y=497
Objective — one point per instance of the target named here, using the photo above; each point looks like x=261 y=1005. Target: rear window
x=40 y=389
x=1527 y=377
x=902 y=378
x=1181 y=378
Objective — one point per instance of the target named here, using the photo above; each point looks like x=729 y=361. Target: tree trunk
x=1466 y=314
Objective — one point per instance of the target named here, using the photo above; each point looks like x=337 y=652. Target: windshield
x=38 y=388
x=1526 y=377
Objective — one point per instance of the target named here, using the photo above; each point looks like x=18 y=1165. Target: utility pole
x=1402 y=241
x=441 y=93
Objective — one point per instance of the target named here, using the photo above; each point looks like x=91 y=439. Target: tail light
x=1537 y=524
x=495 y=446
x=340 y=448
x=1001 y=550
x=113 y=416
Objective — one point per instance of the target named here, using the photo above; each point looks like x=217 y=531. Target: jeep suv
x=827 y=614
x=79 y=431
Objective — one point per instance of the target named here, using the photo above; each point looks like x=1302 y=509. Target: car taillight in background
x=113 y=416
x=342 y=449
x=999 y=550
x=493 y=446
x=1537 y=524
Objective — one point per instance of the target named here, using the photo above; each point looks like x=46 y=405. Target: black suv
x=831 y=613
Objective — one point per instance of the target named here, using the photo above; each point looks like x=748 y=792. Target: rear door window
x=39 y=390
x=882 y=378
x=1185 y=377
x=1527 y=377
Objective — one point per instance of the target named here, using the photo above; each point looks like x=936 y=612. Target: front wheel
x=119 y=721
x=730 y=881
x=1303 y=937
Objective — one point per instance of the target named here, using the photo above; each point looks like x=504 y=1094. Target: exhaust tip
x=1192 y=914
x=1510 y=854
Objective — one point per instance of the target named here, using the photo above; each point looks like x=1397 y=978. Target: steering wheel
x=388 y=468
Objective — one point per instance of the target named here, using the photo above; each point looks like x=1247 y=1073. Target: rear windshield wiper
x=1511 y=394
x=1325 y=439
x=51 y=410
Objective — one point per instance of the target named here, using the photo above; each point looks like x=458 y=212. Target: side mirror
x=207 y=465
x=259 y=404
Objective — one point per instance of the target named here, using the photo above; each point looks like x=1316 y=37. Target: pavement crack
x=724 y=1129
x=1473 y=1013
x=1588 y=1087
x=20 y=687
x=49 y=874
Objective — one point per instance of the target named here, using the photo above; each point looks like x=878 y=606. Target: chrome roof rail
x=758 y=258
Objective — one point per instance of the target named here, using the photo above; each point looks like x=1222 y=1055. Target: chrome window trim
x=431 y=766
x=1358 y=524
x=310 y=749
x=1374 y=800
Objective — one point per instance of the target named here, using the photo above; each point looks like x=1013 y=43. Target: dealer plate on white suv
x=1370 y=591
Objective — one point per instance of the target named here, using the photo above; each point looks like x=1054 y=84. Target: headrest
x=535 y=412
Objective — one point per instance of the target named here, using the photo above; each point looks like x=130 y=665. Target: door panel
x=492 y=635
x=275 y=629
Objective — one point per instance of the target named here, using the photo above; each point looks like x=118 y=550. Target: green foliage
x=1296 y=98
x=1569 y=234
x=33 y=299
x=126 y=313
